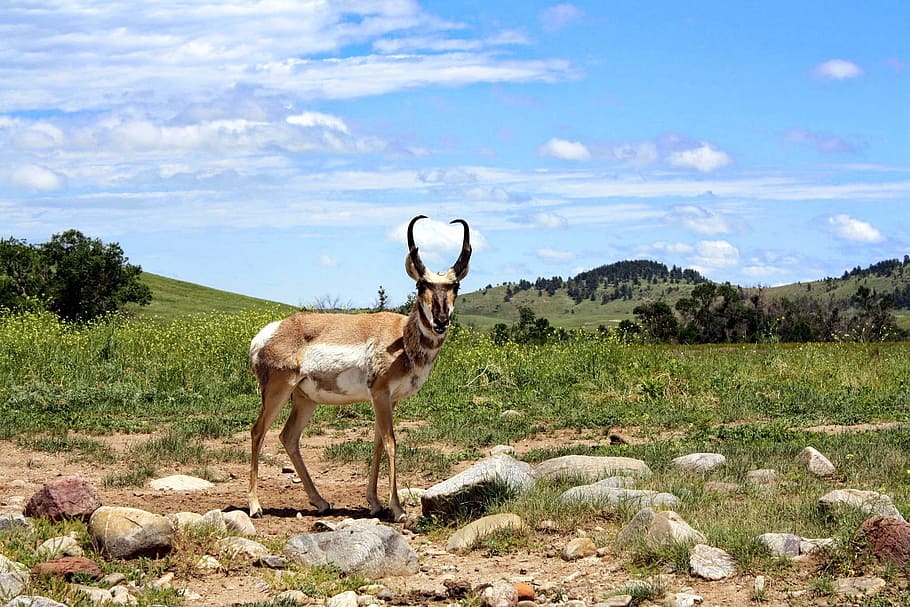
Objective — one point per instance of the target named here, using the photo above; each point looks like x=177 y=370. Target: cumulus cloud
x=558 y=16
x=847 y=228
x=549 y=254
x=704 y=158
x=35 y=178
x=317 y=119
x=715 y=254
x=549 y=220
x=566 y=150
x=698 y=219
x=837 y=69
x=438 y=240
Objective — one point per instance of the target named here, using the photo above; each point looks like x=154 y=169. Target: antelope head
x=436 y=291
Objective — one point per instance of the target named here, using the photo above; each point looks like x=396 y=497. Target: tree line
x=76 y=277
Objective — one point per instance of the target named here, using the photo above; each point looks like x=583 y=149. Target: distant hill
x=175 y=298
x=607 y=295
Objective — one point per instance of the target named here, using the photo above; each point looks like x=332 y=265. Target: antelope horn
x=413 y=264
x=461 y=264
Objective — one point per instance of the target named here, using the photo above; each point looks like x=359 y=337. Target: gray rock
x=64 y=545
x=781 y=544
x=499 y=595
x=579 y=548
x=238 y=521
x=95 y=594
x=33 y=601
x=700 y=462
x=590 y=469
x=868 y=502
x=373 y=550
x=815 y=462
x=657 y=529
x=215 y=520
x=185 y=519
x=762 y=476
x=347 y=598
x=13 y=578
x=612 y=497
x=619 y=600
x=711 y=563
x=466 y=537
x=180 y=482
x=242 y=547
x=859 y=586
x=470 y=489
x=686 y=599
x=13 y=519
x=126 y=533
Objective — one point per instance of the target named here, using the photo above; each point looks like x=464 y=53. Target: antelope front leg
x=384 y=437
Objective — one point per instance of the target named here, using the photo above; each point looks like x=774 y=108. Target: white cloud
x=673 y=248
x=327 y=262
x=566 y=150
x=638 y=155
x=715 y=254
x=36 y=178
x=837 y=69
x=317 y=119
x=438 y=241
x=847 y=228
x=698 y=219
x=705 y=158
x=549 y=254
x=549 y=220
x=560 y=15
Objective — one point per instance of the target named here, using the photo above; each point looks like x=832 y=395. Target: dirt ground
x=287 y=513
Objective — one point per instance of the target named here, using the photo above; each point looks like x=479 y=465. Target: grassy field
x=60 y=384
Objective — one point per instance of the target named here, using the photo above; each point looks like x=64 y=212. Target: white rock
x=180 y=482
x=711 y=563
x=700 y=462
x=816 y=463
x=345 y=599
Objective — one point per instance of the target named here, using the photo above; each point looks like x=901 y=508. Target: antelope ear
x=417 y=270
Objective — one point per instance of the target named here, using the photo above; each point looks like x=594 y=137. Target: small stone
x=499 y=595
x=507 y=449
x=762 y=476
x=711 y=563
x=180 y=482
x=759 y=585
x=345 y=599
x=578 y=548
x=816 y=463
x=525 y=591
x=620 y=600
x=686 y=599
x=239 y=521
x=68 y=566
x=859 y=586
x=466 y=537
x=208 y=563
x=700 y=462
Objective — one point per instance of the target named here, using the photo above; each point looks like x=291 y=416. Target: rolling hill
x=608 y=294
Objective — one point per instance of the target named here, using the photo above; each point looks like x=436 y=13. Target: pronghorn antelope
x=339 y=359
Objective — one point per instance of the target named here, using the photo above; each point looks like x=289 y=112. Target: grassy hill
x=175 y=298
x=595 y=300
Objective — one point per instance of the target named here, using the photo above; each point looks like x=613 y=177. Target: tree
x=657 y=321
x=382 y=300
x=22 y=280
x=87 y=278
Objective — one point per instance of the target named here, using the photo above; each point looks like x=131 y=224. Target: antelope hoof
x=321 y=506
x=255 y=511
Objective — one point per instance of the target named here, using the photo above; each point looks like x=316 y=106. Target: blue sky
x=278 y=149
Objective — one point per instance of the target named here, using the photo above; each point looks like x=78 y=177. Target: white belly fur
x=346 y=367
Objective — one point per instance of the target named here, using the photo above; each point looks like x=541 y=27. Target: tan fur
x=346 y=358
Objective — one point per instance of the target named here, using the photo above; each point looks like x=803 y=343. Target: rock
x=233 y=547
x=859 y=586
x=180 y=482
x=95 y=594
x=887 y=538
x=126 y=533
x=372 y=550
x=238 y=521
x=69 y=497
x=11 y=520
x=525 y=591
x=272 y=561
x=207 y=562
x=699 y=462
x=347 y=598
x=13 y=578
x=781 y=544
x=815 y=462
x=686 y=599
x=499 y=595
x=68 y=566
x=711 y=563
x=870 y=503
x=465 y=538
x=759 y=585
x=120 y=595
x=603 y=496
x=32 y=601
x=590 y=469
x=723 y=487
x=215 y=520
x=657 y=529
x=471 y=489
x=185 y=519
x=578 y=548
x=410 y=496
x=619 y=600
x=64 y=545
x=295 y=597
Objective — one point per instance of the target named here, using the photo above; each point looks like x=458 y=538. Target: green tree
x=382 y=300
x=22 y=279
x=87 y=278
x=657 y=321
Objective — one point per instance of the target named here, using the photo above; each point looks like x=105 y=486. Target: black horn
x=461 y=264
x=413 y=261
